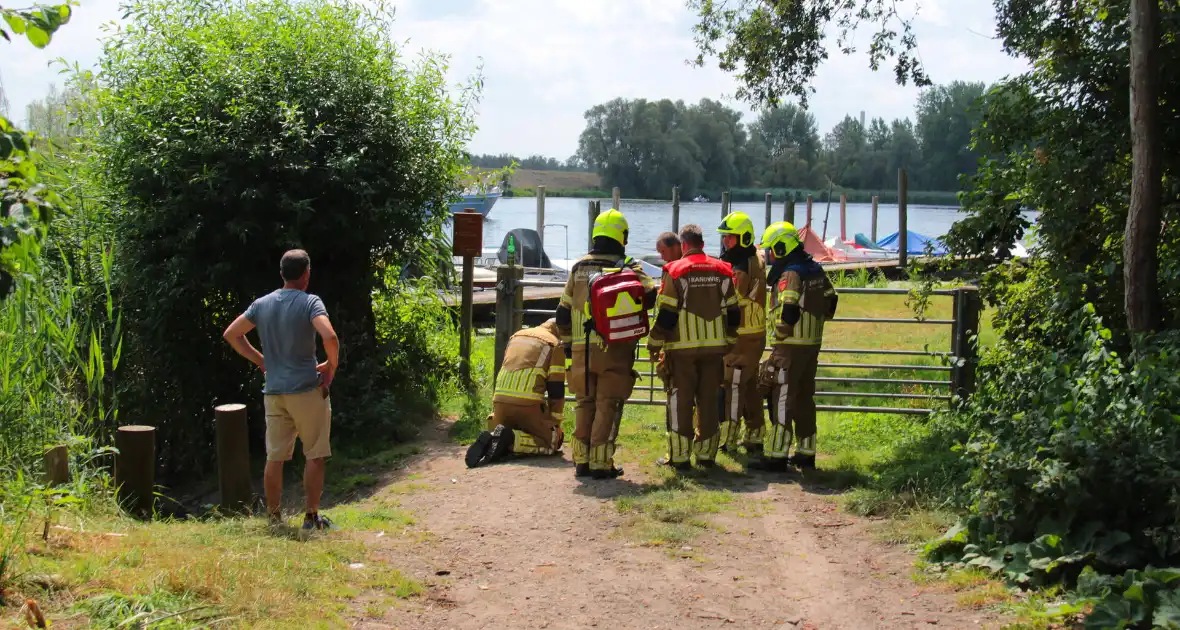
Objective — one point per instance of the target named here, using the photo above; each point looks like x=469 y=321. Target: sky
x=545 y=62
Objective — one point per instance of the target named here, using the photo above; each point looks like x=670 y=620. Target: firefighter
x=741 y=399
x=601 y=392
x=696 y=325
x=801 y=300
x=528 y=405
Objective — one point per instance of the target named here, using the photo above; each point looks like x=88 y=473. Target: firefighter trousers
x=696 y=386
x=790 y=372
x=742 y=400
x=601 y=394
x=536 y=431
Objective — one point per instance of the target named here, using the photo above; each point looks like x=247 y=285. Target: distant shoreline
x=778 y=195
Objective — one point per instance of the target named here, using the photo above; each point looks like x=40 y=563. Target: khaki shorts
x=307 y=416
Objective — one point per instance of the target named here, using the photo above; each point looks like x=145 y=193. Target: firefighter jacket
x=572 y=311
x=698 y=310
x=801 y=301
x=749 y=278
x=533 y=369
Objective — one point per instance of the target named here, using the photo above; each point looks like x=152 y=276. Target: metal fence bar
x=890 y=320
x=897 y=410
x=881 y=395
x=875 y=291
x=895 y=353
x=540 y=283
x=537 y=311
x=887 y=366
x=899 y=381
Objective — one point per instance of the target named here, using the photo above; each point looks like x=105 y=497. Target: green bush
x=1076 y=458
x=235 y=130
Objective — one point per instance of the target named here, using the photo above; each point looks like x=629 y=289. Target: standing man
x=602 y=392
x=802 y=299
x=696 y=325
x=742 y=399
x=668 y=246
x=296 y=392
x=530 y=398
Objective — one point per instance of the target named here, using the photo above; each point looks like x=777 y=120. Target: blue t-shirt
x=283 y=319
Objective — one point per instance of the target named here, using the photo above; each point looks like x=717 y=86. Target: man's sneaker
x=490 y=446
x=803 y=462
x=768 y=464
x=582 y=470
x=664 y=461
x=613 y=473
x=316 y=522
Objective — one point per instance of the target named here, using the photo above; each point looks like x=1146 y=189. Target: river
x=650 y=218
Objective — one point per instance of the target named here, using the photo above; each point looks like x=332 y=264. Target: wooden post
x=135 y=469
x=724 y=204
x=873 y=234
x=509 y=301
x=810 y=199
x=233 y=458
x=541 y=216
x=675 y=208
x=903 y=186
x=616 y=198
x=843 y=217
x=789 y=210
x=964 y=343
x=769 y=202
x=592 y=216
x=57 y=465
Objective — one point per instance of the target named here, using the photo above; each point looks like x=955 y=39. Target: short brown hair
x=294 y=264
x=692 y=236
x=668 y=239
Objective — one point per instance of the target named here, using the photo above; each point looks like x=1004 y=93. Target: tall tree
x=946 y=116
x=1141 y=240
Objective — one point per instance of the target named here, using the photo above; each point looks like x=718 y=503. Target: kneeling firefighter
x=801 y=300
x=696 y=325
x=742 y=399
x=527 y=407
x=601 y=374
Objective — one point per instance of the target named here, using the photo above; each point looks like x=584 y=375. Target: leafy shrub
x=1077 y=458
x=235 y=130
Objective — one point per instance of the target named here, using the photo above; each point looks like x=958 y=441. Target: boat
x=701 y=199
x=480 y=201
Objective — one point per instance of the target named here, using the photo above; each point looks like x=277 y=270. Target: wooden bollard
x=724 y=204
x=57 y=465
x=233 y=458
x=873 y=235
x=135 y=469
x=675 y=208
x=810 y=199
x=769 y=208
x=903 y=233
x=843 y=217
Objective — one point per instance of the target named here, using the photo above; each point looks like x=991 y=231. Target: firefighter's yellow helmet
x=740 y=225
x=611 y=224
x=782 y=238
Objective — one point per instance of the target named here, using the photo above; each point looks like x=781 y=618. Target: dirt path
x=526 y=545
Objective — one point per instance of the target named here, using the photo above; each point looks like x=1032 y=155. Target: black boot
x=706 y=464
x=770 y=464
x=582 y=470
x=803 y=462
x=613 y=473
x=753 y=449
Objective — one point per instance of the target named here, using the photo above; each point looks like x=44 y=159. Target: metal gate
x=956 y=375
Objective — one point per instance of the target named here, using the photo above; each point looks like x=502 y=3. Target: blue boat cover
x=915 y=243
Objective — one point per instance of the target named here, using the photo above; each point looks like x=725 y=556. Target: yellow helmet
x=611 y=224
x=740 y=225
x=782 y=238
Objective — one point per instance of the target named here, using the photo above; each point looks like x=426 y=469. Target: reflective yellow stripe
x=665 y=300
x=520 y=383
x=732 y=301
x=790 y=297
x=556 y=369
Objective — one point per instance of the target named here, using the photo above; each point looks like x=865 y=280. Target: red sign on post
x=468 y=235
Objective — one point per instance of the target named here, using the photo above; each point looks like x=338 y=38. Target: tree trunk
x=1141 y=238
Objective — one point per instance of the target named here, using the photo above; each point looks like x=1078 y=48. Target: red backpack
x=615 y=306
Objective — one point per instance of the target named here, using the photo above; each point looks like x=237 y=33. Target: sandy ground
x=526 y=545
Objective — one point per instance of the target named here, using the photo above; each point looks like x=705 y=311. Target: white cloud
x=545 y=62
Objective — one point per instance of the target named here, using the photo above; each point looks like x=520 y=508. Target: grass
x=99 y=569
x=672 y=514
